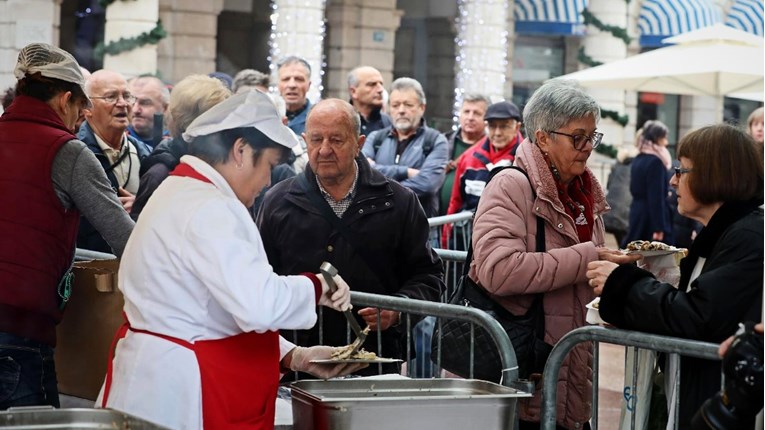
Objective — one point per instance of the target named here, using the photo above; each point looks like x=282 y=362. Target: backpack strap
x=379 y=137
x=540 y=242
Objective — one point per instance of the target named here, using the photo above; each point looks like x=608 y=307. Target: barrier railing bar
x=672 y=345
x=476 y=316
x=451 y=255
x=450 y=219
x=81 y=254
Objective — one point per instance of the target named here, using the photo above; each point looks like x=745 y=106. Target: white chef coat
x=194 y=268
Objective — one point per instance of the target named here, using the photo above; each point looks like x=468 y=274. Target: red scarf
x=577 y=200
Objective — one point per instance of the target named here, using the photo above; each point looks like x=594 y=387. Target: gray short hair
x=403 y=84
x=475 y=98
x=555 y=104
x=294 y=59
x=164 y=93
x=250 y=78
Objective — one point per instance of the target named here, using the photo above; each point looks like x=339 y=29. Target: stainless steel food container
x=421 y=404
x=29 y=418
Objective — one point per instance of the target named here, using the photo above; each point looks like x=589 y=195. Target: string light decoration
x=481 y=46
x=298 y=28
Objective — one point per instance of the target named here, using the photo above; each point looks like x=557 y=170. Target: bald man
x=119 y=154
x=383 y=245
x=366 y=86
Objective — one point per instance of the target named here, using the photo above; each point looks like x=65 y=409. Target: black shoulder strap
x=540 y=242
x=379 y=137
x=353 y=240
x=430 y=136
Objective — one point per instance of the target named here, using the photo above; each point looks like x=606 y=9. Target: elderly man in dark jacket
x=371 y=228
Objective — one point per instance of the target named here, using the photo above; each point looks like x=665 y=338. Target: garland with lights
x=607 y=150
x=616 y=31
x=481 y=54
x=585 y=59
x=614 y=115
x=582 y=57
x=128 y=44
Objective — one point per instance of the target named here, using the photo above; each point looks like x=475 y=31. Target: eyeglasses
x=680 y=171
x=113 y=98
x=580 y=140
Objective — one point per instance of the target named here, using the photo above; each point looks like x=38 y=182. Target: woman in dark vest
x=47 y=178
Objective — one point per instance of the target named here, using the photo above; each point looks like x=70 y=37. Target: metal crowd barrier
x=595 y=334
x=442 y=310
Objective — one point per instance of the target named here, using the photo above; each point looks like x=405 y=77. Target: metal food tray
x=424 y=404
x=36 y=417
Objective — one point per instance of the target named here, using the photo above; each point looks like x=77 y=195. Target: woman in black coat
x=650 y=213
x=720 y=184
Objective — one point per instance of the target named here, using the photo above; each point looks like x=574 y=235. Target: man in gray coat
x=410 y=152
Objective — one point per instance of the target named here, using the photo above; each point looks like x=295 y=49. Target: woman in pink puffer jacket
x=561 y=125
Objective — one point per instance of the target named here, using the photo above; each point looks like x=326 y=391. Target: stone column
x=126 y=20
x=698 y=111
x=21 y=23
x=482 y=34
x=298 y=29
x=604 y=47
x=190 y=45
x=360 y=32
x=631 y=97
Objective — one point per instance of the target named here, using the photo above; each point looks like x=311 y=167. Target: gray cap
x=251 y=109
x=502 y=110
x=49 y=61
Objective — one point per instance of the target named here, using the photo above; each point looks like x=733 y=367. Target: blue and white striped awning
x=660 y=19
x=746 y=15
x=562 y=17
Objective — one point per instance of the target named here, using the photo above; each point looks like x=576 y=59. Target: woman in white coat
x=200 y=347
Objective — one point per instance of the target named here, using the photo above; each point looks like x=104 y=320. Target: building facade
x=503 y=48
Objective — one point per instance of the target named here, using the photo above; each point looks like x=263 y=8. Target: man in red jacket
x=503 y=121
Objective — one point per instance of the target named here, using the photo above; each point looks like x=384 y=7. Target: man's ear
x=360 y=144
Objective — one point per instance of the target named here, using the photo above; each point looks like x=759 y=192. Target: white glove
x=301 y=362
x=340 y=300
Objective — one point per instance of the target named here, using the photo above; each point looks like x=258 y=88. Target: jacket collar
x=25 y=108
x=727 y=214
x=530 y=158
x=369 y=184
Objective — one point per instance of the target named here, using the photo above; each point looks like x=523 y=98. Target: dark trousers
x=27 y=373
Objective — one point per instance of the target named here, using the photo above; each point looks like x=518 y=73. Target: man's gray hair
x=353 y=75
x=250 y=78
x=294 y=59
x=555 y=104
x=403 y=84
x=164 y=93
x=475 y=98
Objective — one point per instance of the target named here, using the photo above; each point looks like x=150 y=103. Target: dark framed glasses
x=580 y=140
x=680 y=171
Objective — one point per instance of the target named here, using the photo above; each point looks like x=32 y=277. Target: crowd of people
x=223 y=200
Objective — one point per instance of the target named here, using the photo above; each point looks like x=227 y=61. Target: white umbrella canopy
x=713 y=61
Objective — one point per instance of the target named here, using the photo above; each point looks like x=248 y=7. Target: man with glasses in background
x=104 y=132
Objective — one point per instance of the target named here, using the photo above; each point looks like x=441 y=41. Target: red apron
x=239 y=374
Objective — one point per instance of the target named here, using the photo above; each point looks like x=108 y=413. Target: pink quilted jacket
x=505 y=264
